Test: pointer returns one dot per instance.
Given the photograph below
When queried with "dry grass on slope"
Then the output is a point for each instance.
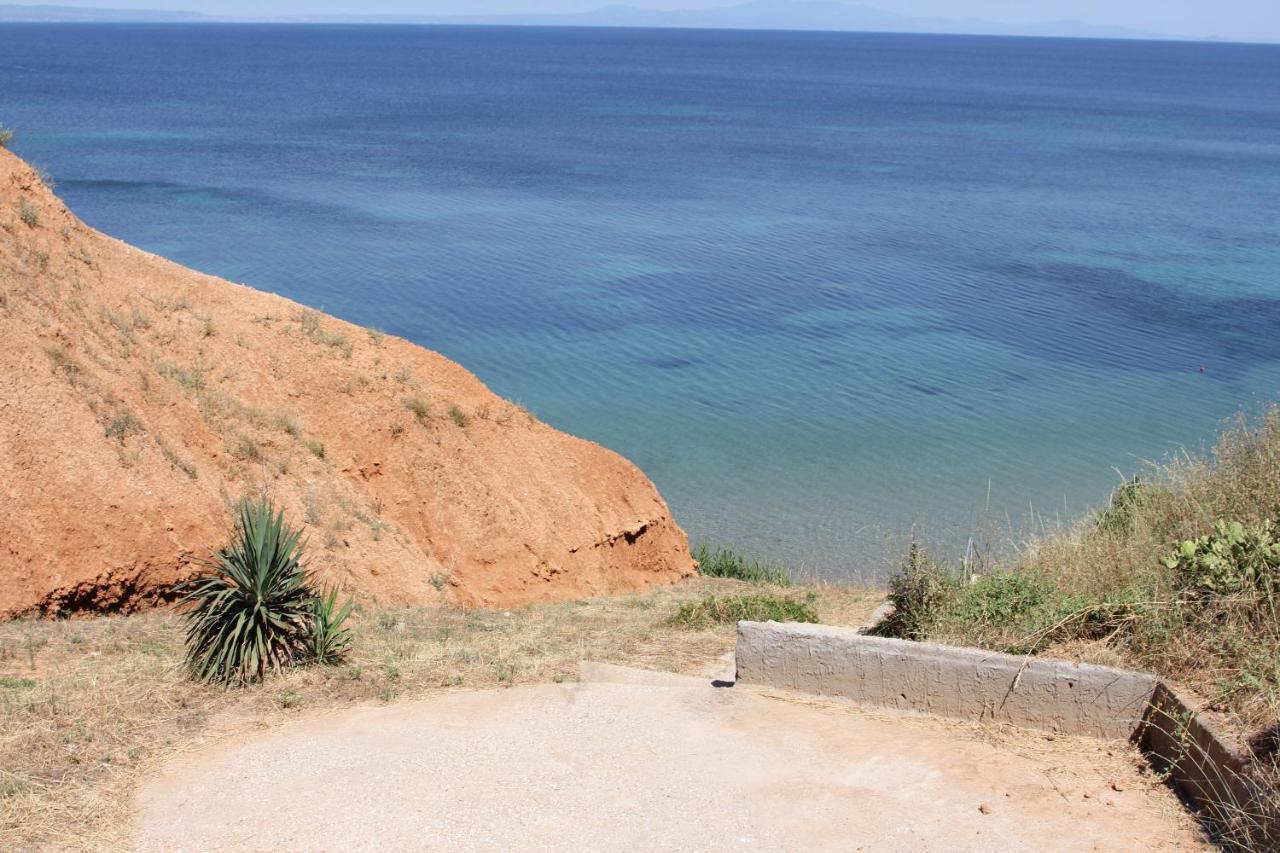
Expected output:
(175, 394)
(1178, 575)
(86, 706)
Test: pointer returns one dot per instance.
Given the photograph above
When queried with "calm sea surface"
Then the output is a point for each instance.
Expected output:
(820, 287)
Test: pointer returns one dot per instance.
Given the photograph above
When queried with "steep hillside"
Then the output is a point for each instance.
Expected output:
(140, 399)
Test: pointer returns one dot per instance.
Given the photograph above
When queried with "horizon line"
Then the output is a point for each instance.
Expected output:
(201, 19)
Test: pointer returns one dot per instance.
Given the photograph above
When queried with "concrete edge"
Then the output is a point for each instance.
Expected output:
(1213, 773)
(1215, 776)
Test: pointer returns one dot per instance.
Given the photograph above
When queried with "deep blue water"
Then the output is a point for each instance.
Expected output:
(820, 287)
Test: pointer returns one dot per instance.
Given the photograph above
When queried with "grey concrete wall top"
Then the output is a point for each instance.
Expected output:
(974, 684)
(952, 682)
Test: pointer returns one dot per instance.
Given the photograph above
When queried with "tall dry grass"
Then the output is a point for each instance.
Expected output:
(1101, 590)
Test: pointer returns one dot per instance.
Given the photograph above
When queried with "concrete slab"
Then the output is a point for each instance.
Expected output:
(967, 684)
(641, 762)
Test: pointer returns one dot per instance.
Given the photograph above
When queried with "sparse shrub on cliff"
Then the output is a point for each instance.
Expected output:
(6, 136)
(726, 563)
(421, 408)
(314, 330)
(714, 610)
(121, 424)
(28, 213)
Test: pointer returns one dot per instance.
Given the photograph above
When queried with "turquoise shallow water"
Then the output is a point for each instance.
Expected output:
(822, 288)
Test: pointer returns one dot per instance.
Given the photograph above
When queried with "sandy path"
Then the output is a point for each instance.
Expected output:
(673, 764)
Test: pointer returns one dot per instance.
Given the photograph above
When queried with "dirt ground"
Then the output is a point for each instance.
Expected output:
(89, 707)
(629, 760)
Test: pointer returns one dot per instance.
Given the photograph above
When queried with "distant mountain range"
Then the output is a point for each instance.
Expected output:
(10, 12)
(751, 15)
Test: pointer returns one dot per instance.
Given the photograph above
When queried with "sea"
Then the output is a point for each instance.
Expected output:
(830, 291)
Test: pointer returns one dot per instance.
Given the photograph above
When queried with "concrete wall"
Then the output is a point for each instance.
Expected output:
(951, 682)
(1214, 774)
(1210, 770)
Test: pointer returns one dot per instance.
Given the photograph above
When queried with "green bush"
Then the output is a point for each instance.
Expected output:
(1233, 559)
(1128, 503)
(918, 591)
(724, 563)
(719, 610)
(330, 640)
(1001, 599)
(257, 610)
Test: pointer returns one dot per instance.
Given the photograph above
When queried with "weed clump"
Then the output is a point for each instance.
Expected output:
(28, 213)
(421, 408)
(714, 610)
(918, 591)
(121, 424)
(312, 328)
(726, 563)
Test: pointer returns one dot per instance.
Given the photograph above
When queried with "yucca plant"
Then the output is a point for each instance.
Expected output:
(255, 611)
(330, 641)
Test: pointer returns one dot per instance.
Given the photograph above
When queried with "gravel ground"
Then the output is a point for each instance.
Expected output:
(631, 761)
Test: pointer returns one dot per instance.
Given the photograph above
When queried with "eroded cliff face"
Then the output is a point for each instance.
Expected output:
(140, 399)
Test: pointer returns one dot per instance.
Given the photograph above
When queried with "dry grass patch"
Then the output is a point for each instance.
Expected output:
(1179, 575)
(87, 706)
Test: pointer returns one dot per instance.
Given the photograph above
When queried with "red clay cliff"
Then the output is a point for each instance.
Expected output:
(139, 400)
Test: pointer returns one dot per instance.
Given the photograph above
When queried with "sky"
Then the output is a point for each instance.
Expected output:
(1248, 19)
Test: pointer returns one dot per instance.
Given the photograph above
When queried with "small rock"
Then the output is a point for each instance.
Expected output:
(1115, 786)
(984, 808)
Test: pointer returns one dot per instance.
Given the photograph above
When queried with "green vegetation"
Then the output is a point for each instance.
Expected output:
(257, 611)
(726, 563)
(460, 418)
(713, 610)
(6, 136)
(1233, 560)
(330, 639)
(918, 591)
(1179, 574)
